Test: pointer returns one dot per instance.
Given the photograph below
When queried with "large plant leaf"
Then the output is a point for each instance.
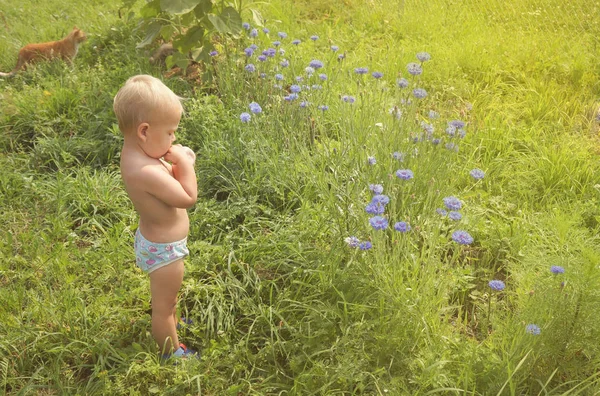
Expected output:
(151, 9)
(151, 32)
(218, 23)
(193, 38)
(232, 19)
(203, 8)
(177, 59)
(178, 7)
(257, 17)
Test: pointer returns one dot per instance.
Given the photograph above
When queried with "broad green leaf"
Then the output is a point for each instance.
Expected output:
(256, 17)
(177, 59)
(202, 54)
(151, 32)
(178, 7)
(203, 8)
(218, 23)
(232, 19)
(151, 9)
(193, 38)
(166, 32)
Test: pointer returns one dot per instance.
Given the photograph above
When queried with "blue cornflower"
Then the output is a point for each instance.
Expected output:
(366, 245)
(314, 37)
(276, 43)
(557, 269)
(299, 78)
(376, 188)
(246, 25)
(414, 69)
(419, 93)
(323, 107)
(436, 141)
(253, 46)
(348, 99)
(427, 127)
(250, 68)
(323, 77)
(304, 103)
(402, 226)
(262, 58)
(248, 51)
(296, 42)
(341, 57)
(213, 53)
(372, 160)
(452, 146)
(458, 124)
(352, 241)
(377, 75)
(281, 51)
(284, 63)
(404, 174)
(423, 56)
(378, 222)
(456, 216)
(433, 114)
(309, 70)
(533, 329)
(245, 117)
(462, 133)
(441, 211)
(290, 97)
(375, 208)
(497, 285)
(270, 52)
(316, 86)
(282, 35)
(279, 77)
(402, 82)
(265, 30)
(253, 33)
(255, 107)
(316, 64)
(334, 48)
(295, 88)
(477, 174)
(396, 112)
(398, 156)
(381, 199)
(451, 131)
(263, 75)
(462, 237)
(361, 70)
(452, 203)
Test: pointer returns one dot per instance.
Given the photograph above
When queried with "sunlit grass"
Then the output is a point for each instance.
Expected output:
(280, 303)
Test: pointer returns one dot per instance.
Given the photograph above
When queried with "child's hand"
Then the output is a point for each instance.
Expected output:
(178, 153)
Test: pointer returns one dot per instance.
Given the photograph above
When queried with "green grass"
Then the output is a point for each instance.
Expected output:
(280, 303)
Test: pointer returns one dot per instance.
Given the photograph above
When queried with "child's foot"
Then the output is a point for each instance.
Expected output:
(182, 352)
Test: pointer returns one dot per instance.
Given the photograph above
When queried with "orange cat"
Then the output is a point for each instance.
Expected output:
(66, 49)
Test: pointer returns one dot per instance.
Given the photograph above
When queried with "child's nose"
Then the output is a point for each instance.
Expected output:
(173, 138)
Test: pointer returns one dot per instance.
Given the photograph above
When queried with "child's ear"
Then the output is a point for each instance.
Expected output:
(142, 131)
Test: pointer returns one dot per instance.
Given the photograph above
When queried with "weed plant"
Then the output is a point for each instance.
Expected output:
(421, 219)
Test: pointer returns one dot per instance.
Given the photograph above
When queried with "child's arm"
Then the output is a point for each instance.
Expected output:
(182, 159)
(179, 190)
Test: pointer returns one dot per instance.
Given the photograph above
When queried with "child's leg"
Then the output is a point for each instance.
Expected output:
(165, 283)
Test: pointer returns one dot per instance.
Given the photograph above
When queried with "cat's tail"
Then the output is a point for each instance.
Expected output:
(11, 74)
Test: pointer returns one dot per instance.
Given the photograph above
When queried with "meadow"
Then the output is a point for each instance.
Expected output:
(414, 210)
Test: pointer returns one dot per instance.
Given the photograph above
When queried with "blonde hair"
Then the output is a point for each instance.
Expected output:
(140, 99)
